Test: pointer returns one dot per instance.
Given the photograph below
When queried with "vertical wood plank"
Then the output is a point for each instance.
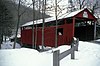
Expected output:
(73, 26)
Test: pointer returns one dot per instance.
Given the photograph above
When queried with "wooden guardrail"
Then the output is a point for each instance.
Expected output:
(57, 56)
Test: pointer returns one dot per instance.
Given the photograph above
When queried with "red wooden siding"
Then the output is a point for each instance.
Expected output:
(49, 35)
(90, 16)
(26, 36)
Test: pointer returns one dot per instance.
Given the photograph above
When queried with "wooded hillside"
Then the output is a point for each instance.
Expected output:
(27, 16)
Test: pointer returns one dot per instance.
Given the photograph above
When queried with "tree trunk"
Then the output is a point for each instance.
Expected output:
(1, 40)
(43, 17)
(17, 25)
(5, 39)
(33, 45)
(56, 38)
(36, 31)
(0, 46)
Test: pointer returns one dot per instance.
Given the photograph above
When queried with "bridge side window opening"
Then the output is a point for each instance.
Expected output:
(60, 31)
(52, 23)
(69, 20)
(61, 22)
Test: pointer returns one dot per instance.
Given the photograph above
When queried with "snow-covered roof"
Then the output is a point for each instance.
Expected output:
(39, 21)
(67, 15)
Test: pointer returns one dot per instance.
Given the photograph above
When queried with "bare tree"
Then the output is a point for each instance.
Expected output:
(56, 37)
(43, 24)
(71, 6)
(93, 5)
(17, 24)
(38, 7)
(61, 7)
(76, 4)
(82, 4)
(33, 45)
(36, 27)
(57, 9)
(19, 16)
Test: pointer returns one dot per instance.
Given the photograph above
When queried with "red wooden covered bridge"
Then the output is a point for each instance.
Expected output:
(80, 24)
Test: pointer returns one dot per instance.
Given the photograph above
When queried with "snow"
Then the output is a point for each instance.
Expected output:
(66, 15)
(72, 13)
(9, 45)
(39, 21)
(13, 36)
(24, 57)
(88, 55)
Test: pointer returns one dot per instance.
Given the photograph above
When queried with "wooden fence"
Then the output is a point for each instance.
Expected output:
(57, 56)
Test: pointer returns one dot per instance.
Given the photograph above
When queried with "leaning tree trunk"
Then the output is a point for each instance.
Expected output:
(17, 24)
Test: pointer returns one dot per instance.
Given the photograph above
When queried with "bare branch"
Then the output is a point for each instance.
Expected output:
(25, 9)
(59, 1)
(15, 5)
(83, 4)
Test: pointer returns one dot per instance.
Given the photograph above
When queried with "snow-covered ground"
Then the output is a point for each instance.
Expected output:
(9, 45)
(88, 55)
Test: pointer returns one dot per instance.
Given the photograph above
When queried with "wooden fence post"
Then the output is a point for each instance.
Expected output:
(72, 53)
(77, 43)
(56, 58)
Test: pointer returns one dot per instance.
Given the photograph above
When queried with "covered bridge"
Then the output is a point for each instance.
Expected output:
(81, 24)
